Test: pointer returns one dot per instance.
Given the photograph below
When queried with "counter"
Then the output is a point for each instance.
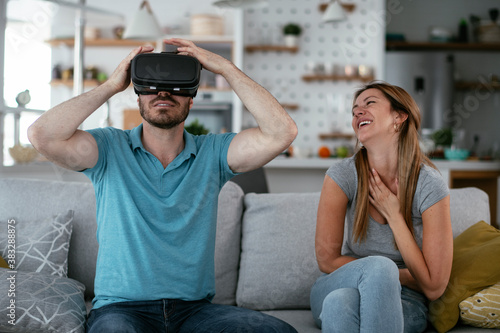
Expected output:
(307, 175)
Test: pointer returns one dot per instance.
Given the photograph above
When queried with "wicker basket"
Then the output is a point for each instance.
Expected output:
(207, 25)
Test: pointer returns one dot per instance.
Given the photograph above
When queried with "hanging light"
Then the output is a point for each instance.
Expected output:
(144, 25)
(240, 3)
(334, 12)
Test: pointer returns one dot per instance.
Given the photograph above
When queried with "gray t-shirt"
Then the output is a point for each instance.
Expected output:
(431, 188)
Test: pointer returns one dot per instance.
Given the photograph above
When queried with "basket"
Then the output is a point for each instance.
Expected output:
(207, 25)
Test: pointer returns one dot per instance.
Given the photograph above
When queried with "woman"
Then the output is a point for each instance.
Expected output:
(399, 245)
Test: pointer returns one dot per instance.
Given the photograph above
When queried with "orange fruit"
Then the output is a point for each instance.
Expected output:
(324, 152)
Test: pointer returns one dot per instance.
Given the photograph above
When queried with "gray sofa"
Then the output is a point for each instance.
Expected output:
(264, 255)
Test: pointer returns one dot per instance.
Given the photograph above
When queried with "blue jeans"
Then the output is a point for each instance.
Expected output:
(365, 295)
(180, 316)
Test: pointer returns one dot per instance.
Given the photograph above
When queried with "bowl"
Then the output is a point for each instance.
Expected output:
(456, 154)
(23, 154)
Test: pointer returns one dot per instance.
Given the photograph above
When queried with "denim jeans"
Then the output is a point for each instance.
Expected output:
(365, 295)
(179, 317)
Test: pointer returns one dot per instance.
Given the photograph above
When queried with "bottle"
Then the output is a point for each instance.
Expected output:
(463, 31)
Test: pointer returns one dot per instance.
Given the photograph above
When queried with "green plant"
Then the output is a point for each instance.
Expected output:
(292, 29)
(443, 137)
(196, 128)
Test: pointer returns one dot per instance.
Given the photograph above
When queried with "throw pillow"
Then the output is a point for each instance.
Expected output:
(475, 267)
(37, 302)
(41, 246)
(482, 309)
(3, 263)
(278, 264)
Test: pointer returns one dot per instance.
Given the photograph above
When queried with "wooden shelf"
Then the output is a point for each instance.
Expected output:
(348, 7)
(309, 78)
(290, 106)
(326, 136)
(69, 83)
(275, 48)
(463, 85)
(430, 46)
(102, 42)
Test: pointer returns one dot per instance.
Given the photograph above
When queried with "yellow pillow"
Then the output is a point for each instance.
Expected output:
(482, 309)
(475, 267)
(3, 263)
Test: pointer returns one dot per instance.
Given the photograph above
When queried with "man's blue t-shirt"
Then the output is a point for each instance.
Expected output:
(156, 225)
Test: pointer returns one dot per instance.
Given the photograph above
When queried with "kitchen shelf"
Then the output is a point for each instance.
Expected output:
(309, 78)
(275, 48)
(69, 83)
(326, 136)
(290, 106)
(436, 46)
(101, 42)
(464, 85)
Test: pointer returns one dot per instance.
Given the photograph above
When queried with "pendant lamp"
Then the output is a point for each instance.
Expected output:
(240, 3)
(334, 12)
(144, 25)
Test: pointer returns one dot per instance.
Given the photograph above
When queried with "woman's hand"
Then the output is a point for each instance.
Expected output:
(382, 198)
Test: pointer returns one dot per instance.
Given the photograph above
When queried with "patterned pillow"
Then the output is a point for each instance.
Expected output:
(482, 309)
(41, 246)
(36, 302)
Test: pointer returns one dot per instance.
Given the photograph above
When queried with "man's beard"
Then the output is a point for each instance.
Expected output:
(167, 119)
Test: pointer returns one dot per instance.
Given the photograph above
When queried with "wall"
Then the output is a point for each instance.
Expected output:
(324, 106)
(476, 112)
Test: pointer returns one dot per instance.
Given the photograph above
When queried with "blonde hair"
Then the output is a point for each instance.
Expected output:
(410, 158)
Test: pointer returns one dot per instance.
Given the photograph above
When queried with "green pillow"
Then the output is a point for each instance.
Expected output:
(475, 267)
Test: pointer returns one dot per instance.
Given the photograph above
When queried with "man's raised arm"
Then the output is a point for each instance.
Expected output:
(56, 135)
(254, 147)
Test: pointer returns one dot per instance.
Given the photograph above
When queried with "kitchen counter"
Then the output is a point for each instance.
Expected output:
(306, 174)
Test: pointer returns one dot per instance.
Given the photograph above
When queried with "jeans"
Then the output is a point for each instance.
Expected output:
(365, 295)
(180, 316)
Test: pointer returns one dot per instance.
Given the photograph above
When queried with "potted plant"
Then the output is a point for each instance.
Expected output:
(291, 31)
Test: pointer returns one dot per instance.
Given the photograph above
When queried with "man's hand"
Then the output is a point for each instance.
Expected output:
(209, 60)
(119, 80)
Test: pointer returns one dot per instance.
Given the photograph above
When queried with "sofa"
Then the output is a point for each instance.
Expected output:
(264, 260)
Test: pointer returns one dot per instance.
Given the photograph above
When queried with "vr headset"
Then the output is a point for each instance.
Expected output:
(154, 72)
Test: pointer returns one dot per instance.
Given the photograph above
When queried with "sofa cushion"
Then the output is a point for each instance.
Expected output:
(227, 245)
(483, 308)
(41, 303)
(278, 264)
(41, 245)
(28, 199)
(467, 206)
(475, 267)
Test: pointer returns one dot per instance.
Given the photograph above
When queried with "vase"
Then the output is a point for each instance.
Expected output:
(291, 40)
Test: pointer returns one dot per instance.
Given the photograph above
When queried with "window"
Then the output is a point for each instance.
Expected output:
(27, 61)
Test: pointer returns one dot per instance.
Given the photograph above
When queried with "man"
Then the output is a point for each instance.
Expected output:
(156, 189)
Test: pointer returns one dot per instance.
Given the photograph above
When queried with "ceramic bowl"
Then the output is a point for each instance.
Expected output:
(456, 154)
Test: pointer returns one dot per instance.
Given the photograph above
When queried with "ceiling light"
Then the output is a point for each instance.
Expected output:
(334, 12)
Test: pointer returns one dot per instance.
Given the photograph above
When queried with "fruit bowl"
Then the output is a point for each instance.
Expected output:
(456, 154)
(23, 154)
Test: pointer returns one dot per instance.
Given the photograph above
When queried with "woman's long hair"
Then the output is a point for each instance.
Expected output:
(410, 158)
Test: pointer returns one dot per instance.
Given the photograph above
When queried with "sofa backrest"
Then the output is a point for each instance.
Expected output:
(277, 228)
(36, 200)
(278, 265)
